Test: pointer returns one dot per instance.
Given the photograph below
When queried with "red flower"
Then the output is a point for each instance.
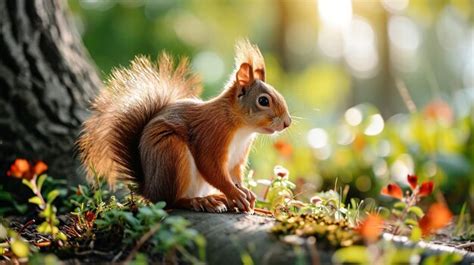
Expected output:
(426, 188)
(393, 190)
(89, 217)
(371, 228)
(438, 216)
(413, 181)
(22, 169)
(283, 148)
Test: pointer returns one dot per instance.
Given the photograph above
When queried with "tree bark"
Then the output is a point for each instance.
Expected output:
(46, 82)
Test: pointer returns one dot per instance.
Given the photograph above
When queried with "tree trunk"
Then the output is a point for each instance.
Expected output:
(46, 82)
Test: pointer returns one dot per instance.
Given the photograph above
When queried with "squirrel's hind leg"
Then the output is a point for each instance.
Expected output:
(166, 165)
(172, 176)
(215, 203)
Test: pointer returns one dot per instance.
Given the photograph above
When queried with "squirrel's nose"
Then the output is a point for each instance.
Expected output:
(286, 123)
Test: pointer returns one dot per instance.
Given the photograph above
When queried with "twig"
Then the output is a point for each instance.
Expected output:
(117, 257)
(142, 241)
(30, 222)
(465, 245)
(405, 94)
(187, 255)
(94, 252)
(262, 211)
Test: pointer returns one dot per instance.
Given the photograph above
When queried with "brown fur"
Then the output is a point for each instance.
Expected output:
(148, 127)
(109, 141)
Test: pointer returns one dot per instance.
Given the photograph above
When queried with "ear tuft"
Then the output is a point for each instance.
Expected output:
(248, 53)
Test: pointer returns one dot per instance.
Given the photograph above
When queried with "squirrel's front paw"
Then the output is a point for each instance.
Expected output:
(238, 198)
(250, 195)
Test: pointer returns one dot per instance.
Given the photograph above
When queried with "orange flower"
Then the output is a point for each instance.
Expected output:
(437, 217)
(283, 148)
(359, 142)
(22, 169)
(371, 228)
(19, 168)
(40, 167)
(413, 181)
(426, 188)
(392, 190)
(439, 110)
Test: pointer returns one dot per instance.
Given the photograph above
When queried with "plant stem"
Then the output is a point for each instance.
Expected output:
(142, 241)
(410, 202)
(37, 192)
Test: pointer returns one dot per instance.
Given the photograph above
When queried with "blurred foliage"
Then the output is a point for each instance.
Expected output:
(318, 55)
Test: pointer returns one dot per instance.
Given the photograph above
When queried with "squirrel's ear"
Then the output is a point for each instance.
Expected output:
(244, 75)
(260, 74)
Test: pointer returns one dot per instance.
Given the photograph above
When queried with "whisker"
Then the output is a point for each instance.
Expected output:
(297, 118)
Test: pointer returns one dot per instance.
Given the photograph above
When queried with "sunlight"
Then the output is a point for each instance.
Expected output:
(405, 38)
(353, 116)
(317, 138)
(360, 49)
(375, 126)
(395, 5)
(336, 14)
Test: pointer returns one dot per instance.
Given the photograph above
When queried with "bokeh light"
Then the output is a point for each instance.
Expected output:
(360, 50)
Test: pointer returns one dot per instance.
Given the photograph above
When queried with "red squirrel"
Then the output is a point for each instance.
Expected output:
(148, 126)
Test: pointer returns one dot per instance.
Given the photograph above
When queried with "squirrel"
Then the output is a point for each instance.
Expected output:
(148, 126)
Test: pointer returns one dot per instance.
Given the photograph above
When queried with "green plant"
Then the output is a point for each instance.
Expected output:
(48, 210)
(12, 246)
(10, 204)
(33, 178)
(170, 233)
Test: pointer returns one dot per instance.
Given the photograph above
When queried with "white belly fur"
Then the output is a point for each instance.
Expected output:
(238, 146)
(198, 187)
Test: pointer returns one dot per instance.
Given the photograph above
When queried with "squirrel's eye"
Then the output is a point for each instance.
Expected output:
(263, 101)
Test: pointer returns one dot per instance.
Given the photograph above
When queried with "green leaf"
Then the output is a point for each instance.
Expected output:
(21, 208)
(40, 182)
(160, 205)
(201, 244)
(460, 222)
(352, 254)
(443, 259)
(410, 221)
(415, 235)
(246, 259)
(403, 256)
(417, 211)
(396, 212)
(44, 228)
(28, 183)
(5, 196)
(47, 211)
(3, 232)
(400, 205)
(36, 200)
(52, 195)
(20, 248)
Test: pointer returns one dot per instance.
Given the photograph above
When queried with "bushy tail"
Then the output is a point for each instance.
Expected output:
(109, 141)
